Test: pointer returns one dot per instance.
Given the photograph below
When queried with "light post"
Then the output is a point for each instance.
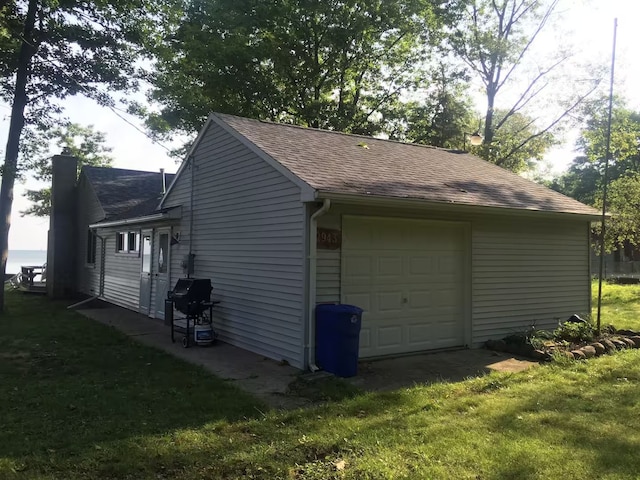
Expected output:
(475, 139)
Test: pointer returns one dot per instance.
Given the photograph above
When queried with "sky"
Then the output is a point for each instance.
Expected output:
(589, 21)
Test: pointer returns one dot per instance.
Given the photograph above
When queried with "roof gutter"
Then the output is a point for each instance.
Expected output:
(382, 201)
(174, 213)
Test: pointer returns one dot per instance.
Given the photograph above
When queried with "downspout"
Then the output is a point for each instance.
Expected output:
(101, 278)
(313, 267)
(191, 260)
(103, 256)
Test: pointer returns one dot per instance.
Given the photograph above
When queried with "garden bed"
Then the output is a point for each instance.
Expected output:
(576, 339)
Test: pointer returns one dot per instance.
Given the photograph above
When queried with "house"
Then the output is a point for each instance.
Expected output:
(440, 248)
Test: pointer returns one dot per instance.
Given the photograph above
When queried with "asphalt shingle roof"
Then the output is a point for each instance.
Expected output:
(126, 193)
(335, 162)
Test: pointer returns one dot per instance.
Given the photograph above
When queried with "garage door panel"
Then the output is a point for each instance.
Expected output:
(449, 264)
(409, 278)
(444, 336)
(449, 298)
(418, 299)
(390, 302)
(358, 266)
(365, 338)
(421, 265)
(419, 334)
(389, 266)
(390, 336)
(362, 300)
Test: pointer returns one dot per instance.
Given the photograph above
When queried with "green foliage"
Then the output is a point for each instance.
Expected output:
(84, 143)
(76, 48)
(331, 64)
(574, 332)
(441, 118)
(518, 144)
(583, 179)
(624, 206)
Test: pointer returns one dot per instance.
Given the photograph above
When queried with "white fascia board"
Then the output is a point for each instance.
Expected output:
(381, 201)
(169, 215)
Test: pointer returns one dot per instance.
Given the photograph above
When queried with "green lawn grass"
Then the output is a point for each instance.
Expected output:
(80, 401)
(620, 305)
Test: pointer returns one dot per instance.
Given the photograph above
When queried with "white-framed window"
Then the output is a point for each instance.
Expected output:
(92, 244)
(128, 242)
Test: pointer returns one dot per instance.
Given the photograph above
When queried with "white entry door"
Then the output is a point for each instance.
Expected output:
(409, 277)
(161, 270)
(145, 273)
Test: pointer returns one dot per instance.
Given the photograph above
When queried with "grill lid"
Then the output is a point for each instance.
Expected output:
(191, 289)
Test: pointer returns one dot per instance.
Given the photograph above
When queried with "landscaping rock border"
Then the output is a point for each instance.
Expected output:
(610, 342)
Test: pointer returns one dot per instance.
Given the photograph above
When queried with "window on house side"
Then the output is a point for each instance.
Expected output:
(128, 242)
(120, 242)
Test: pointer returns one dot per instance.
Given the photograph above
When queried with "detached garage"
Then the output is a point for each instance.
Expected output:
(440, 248)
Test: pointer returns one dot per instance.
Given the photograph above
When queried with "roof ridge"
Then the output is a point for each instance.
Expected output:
(337, 132)
(97, 167)
(472, 157)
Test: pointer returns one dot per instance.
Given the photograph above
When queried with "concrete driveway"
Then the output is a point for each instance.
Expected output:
(269, 380)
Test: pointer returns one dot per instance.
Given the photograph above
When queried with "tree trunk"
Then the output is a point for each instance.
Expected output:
(488, 119)
(27, 51)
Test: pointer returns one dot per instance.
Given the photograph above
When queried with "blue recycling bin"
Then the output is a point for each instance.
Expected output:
(338, 338)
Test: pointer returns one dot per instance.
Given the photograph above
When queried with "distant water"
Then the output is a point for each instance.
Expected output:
(17, 258)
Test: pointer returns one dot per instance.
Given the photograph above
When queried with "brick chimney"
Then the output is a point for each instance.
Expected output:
(62, 249)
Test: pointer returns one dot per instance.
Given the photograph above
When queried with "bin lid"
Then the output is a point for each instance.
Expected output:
(339, 308)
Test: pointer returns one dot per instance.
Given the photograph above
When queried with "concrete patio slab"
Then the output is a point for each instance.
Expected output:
(269, 380)
(450, 366)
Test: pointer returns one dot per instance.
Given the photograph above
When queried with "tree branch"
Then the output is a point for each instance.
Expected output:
(550, 126)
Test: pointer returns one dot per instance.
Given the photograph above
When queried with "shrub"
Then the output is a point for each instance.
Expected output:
(575, 332)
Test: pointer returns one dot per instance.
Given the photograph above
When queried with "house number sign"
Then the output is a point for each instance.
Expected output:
(329, 239)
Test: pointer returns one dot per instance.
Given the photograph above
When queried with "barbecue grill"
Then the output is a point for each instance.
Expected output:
(191, 297)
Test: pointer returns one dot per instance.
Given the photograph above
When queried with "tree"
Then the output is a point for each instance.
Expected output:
(441, 118)
(52, 49)
(494, 38)
(624, 206)
(583, 179)
(518, 144)
(84, 143)
(334, 64)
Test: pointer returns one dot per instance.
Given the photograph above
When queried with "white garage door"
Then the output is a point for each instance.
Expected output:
(409, 277)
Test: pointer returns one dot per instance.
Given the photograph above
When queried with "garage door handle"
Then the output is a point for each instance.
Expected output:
(405, 300)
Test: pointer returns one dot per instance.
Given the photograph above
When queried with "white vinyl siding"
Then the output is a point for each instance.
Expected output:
(248, 238)
(328, 264)
(89, 211)
(122, 275)
(525, 271)
(528, 273)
